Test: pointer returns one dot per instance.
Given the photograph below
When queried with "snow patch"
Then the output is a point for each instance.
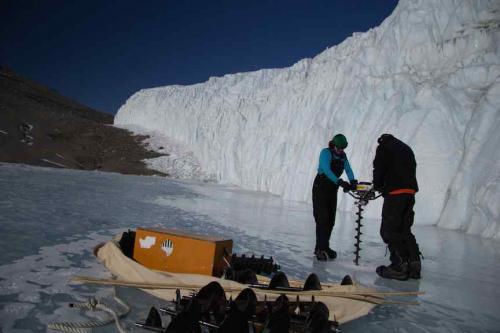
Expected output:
(55, 163)
(178, 162)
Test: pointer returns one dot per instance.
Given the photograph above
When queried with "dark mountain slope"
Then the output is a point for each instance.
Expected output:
(38, 126)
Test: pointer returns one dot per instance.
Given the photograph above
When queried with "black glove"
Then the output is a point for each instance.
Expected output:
(345, 185)
(377, 187)
(354, 184)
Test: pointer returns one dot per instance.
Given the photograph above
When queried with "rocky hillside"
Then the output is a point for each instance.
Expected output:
(38, 126)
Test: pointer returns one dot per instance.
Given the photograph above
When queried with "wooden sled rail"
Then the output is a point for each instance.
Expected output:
(376, 297)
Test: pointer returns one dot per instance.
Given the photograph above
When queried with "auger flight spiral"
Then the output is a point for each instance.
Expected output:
(363, 194)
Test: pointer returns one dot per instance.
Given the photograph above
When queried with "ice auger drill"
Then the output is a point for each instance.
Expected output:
(363, 193)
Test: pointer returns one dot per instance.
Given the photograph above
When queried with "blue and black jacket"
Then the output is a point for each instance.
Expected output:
(332, 165)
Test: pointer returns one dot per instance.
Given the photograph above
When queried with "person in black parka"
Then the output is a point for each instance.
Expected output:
(332, 163)
(394, 175)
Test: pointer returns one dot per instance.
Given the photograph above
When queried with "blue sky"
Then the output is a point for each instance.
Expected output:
(100, 52)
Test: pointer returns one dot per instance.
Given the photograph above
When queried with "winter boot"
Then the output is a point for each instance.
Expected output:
(321, 255)
(414, 268)
(397, 270)
(331, 254)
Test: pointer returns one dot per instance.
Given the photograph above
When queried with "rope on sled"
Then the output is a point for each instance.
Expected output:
(93, 305)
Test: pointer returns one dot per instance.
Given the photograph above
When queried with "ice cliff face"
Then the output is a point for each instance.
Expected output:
(430, 75)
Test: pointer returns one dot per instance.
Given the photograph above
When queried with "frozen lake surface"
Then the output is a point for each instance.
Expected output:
(51, 219)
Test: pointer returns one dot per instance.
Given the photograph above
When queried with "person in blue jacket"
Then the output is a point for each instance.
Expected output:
(332, 163)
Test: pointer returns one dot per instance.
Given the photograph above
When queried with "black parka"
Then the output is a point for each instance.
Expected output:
(394, 166)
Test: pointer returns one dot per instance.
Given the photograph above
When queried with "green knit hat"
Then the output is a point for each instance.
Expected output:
(339, 141)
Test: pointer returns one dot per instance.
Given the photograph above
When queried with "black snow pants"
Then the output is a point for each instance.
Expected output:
(397, 220)
(324, 197)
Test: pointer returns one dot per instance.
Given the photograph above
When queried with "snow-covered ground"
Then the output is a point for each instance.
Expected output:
(429, 74)
(50, 219)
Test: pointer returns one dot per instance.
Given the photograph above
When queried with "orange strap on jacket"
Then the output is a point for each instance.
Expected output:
(403, 191)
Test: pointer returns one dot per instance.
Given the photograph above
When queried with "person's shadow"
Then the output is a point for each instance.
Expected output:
(410, 285)
(325, 270)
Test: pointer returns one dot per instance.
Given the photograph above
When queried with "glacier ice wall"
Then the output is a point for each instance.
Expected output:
(429, 74)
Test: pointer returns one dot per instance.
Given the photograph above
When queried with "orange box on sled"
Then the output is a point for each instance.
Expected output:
(174, 251)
